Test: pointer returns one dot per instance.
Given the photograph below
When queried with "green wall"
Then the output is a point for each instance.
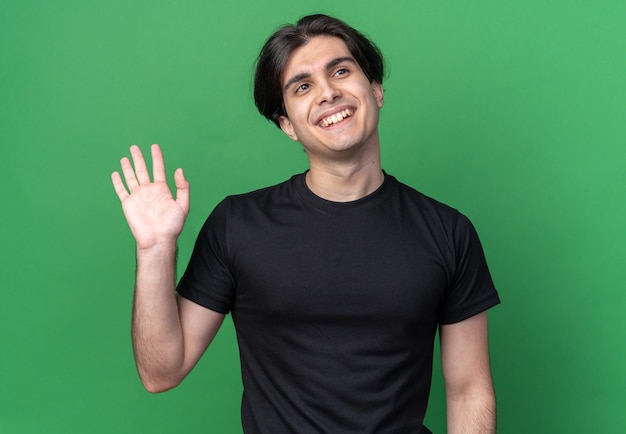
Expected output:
(513, 112)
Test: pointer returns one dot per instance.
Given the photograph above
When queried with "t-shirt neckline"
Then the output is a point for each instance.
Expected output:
(311, 199)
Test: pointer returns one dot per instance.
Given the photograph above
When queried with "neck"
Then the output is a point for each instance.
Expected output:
(345, 182)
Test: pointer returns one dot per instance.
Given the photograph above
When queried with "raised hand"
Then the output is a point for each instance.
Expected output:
(153, 214)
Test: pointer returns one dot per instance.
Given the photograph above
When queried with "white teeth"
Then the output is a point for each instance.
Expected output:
(336, 118)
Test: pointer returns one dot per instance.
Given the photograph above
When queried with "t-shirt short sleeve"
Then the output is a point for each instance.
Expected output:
(471, 289)
(207, 280)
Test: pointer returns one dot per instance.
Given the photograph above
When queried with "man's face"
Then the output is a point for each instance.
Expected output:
(332, 108)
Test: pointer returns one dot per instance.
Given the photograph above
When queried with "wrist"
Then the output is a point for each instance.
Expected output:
(162, 248)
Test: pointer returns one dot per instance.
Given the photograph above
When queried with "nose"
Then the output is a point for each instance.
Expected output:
(328, 92)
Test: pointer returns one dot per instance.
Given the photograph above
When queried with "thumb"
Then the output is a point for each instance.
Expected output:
(182, 190)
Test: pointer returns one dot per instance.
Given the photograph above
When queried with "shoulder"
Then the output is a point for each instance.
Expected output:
(421, 205)
(275, 192)
(257, 207)
(260, 197)
(433, 218)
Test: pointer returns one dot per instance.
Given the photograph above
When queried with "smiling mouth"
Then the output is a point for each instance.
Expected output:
(336, 118)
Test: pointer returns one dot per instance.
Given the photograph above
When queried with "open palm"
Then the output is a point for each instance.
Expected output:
(153, 214)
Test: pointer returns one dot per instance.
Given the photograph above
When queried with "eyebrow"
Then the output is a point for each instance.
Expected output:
(329, 65)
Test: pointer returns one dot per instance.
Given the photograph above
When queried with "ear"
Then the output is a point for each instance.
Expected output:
(379, 93)
(287, 127)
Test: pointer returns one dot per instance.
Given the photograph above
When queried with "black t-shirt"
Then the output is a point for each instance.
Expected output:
(336, 305)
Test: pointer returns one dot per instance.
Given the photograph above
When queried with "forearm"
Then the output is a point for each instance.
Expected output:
(156, 328)
(472, 412)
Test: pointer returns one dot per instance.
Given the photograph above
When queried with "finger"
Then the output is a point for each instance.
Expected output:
(129, 174)
(182, 190)
(118, 185)
(141, 171)
(158, 164)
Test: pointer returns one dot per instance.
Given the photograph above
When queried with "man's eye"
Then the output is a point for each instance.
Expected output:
(341, 71)
(302, 87)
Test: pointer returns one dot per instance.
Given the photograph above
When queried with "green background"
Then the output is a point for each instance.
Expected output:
(513, 112)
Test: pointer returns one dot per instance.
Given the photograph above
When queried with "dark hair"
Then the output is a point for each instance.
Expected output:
(268, 93)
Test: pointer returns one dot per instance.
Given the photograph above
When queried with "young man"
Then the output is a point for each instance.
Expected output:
(336, 279)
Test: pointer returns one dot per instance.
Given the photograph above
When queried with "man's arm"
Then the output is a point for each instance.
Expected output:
(169, 333)
(470, 397)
